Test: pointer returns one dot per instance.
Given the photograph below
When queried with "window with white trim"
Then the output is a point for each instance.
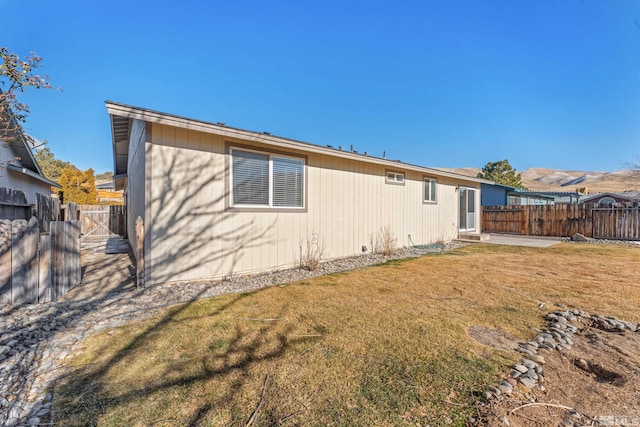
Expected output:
(395, 177)
(430, 192)
(261, 179)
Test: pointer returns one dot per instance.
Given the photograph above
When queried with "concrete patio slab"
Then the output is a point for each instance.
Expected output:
(517, 240)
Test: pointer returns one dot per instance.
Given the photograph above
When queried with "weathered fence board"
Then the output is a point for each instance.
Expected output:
(44, 273)
(57, 260)
(614, 222)
(18, 261)
(13, 204)
(74, 271)
(5, 261)
(31, 238)
(11, 196)
(24, 261)
(47, 210)
(8, 211)
(71, 211)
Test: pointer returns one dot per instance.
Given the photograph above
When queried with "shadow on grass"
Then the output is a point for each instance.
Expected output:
(86, 394)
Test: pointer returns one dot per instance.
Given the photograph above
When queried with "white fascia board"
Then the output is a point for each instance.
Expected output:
(197, 125)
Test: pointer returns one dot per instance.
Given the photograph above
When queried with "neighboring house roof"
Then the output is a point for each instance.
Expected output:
(122, 114)
(20, 145)
(106, 185)
(533, 194)
(631, 196)
(550, 193)
(506, 187)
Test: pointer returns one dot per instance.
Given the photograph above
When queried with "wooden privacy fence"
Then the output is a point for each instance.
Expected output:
(615, 222)
(13, 204)
(38, 267)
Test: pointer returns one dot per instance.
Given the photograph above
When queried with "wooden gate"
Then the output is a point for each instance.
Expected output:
(101, 220)
(616, 223)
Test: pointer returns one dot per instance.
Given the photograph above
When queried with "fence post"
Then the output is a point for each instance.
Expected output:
(73, 246)
(139, 252)
(5, 261)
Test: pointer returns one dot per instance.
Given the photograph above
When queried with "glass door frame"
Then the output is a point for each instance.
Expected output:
(467, 211)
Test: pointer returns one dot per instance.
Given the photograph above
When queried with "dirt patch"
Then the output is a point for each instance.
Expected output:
(494, 338)
(597, 382)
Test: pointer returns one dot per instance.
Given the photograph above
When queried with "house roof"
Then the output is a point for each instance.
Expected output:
(32, 174)
(525, 193)
(521, 192)
(550, 193)
(506, 187)
(629, 195)
(105, 185)
(122, 114)
(21, 147)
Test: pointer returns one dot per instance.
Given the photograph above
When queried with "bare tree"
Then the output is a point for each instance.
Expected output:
(16, 76)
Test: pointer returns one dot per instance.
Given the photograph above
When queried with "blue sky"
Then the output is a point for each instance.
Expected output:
(439, 83)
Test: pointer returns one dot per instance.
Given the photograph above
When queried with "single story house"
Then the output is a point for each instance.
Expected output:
(216, 200)
(610, 198)
(559, 197)
(19, 170)
(505, 195)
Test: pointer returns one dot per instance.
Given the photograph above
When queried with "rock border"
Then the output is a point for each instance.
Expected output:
(527, 374)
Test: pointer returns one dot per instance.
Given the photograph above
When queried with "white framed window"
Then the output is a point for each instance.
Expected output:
(266, 180)
(430, 190)
(395, 177)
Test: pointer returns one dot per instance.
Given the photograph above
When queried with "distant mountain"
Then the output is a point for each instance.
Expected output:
(568, 180)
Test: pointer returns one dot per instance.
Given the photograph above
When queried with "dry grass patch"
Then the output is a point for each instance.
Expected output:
(386, 345)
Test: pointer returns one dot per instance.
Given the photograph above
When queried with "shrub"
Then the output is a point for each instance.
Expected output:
(311, 252)
(384, 242)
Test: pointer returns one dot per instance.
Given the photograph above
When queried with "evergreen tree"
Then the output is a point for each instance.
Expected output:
(51, 167)
(502, 173)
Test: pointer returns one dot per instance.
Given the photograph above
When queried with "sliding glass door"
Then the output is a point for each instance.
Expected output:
(467, 208)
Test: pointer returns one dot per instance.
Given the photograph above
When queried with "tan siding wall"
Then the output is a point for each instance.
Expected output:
(135, 178)
(193, 236)
(18, 181)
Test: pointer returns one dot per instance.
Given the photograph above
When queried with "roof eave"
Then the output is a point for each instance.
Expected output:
(122, 110)
(29, 172)
(119, 182)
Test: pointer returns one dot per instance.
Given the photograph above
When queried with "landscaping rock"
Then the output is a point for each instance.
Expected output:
(520, 368)
(527, 382)
(577, 237)
(538, 358)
